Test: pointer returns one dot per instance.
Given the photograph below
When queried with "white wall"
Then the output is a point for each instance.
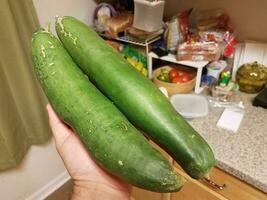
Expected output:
(249, 17)
(42, 170)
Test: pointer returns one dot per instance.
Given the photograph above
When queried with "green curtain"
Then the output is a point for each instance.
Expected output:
(23, 118)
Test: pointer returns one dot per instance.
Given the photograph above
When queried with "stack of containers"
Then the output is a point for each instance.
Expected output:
(148, 15)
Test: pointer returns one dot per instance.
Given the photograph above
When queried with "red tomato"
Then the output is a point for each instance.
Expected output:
(176, 79)
(173, 73)
(186, 77)
(181, 73)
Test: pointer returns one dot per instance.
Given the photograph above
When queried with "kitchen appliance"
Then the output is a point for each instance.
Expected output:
(261, 99)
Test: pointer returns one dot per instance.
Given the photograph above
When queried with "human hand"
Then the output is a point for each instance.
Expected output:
(90, 181)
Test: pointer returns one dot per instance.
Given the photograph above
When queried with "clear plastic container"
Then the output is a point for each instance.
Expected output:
(148, 15)
(190, 105)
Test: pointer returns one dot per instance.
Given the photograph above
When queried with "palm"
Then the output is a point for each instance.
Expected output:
(78, 162)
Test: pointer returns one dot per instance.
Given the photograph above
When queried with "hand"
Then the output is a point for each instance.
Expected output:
(90, 181)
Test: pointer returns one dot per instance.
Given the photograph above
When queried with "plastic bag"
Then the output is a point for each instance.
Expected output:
(198, 51)
(215, 25)
(119, 24)
(136, 59)
(102, 13)
(177, 31)
(213, 102)
(225, 97)
(213, 19)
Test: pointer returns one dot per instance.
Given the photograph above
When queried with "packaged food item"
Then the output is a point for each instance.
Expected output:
(215, 25)
(142, 35)
(229, 45)
(224, 93)
(119, 23)
(212, 35)
(215, 68)
(102, 13)
(136, 59)
(198, 51)
(177, 31)
(114, 45)
(224, 78)
(121, 4)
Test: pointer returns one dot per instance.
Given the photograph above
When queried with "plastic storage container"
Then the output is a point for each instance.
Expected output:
(148, 15)
(190, 105)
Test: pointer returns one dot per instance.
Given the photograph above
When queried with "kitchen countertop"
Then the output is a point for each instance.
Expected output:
(242, 154)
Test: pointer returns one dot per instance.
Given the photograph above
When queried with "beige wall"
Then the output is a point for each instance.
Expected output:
(48, 9)
(41, 165)
(248, 16)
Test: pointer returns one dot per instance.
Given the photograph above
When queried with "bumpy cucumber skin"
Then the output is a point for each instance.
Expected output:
(112, 140)
(137, 97)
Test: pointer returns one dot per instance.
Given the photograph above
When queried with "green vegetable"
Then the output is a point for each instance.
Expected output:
(164, 75)
(137, 97)
(164, 71)
(163, 78)
(112, 140)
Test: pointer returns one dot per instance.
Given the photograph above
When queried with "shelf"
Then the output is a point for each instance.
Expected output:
(132, 40)
(199, 65)
(172, 58)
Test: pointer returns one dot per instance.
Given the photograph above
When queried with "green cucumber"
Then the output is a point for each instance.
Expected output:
(137, 97)
(110, 138)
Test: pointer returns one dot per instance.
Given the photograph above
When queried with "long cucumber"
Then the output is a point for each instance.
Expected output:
(110, 138)
(137, 97)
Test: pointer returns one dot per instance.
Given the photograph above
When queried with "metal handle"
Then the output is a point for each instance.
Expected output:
(215, 185)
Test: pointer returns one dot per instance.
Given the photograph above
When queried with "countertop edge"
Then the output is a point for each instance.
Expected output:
(244, 177)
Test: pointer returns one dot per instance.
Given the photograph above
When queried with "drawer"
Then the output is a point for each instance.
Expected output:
(195, 190)
(140, 194)
(200, 190)
(192, 191)
(166, 155)
(235, 189)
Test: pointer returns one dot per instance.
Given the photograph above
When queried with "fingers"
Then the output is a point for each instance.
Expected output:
(63, 135)
(59, 129)
(52, 115)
